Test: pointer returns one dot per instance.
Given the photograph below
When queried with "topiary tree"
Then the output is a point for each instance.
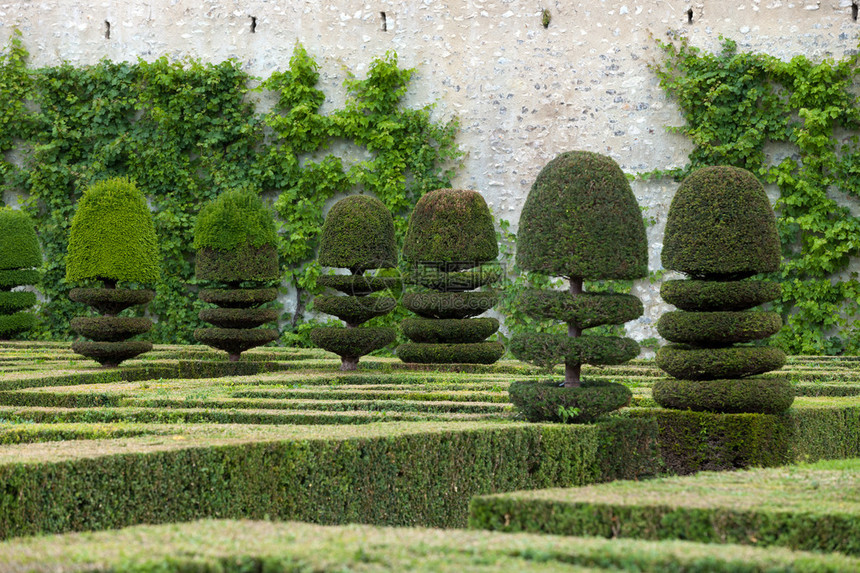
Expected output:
(112, 240)
(450, 237)
(19, 254)
(720, 231)
(358, 234)
(236, 242)
(580, 221)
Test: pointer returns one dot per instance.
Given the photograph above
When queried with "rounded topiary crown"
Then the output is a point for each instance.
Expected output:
(581, 220)
(358, 234)
(720, 223)
(19, 248)
(112, 235)
(236, 238)
(451, 225)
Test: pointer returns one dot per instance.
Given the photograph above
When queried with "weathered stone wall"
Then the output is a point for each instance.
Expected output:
(523, 92)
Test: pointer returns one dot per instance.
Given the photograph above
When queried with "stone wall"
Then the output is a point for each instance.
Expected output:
(523, 92)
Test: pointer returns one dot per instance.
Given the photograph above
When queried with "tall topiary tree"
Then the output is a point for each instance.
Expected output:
(112, 240)
(720, 231)
(236, 242)
(19, 254)
(358, 234)
(449, 241)
(580, 221)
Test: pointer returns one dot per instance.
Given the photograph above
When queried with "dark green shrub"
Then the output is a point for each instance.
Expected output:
(358, 234)
(547, 401)
(545, 349)
(12, 302)
(110, 328)
(111, 301)
(454, 331)
(721, 224)
(720, 229)
(580, 221)
(696, 363)
(12, 278)
(712, 295)
(761, 395)
(355, 310)
(238, 317)
(444, 305)
(717, 328)
(112, 239)
(245, 264)
(19, 253)
(470, 279)
(111, 354)
(236, 241)
(238, 298)
(352, 343)
(585, 310)
(358, 285)
(450, 236)
(451, 353)
(451, 229)
(20, 246)
(235, 341)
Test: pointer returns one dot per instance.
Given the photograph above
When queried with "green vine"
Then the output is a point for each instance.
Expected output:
(185, 132)
(795, 125)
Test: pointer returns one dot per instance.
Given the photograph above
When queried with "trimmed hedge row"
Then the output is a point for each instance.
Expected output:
(813, 429)
(806, 507)
(397, 475)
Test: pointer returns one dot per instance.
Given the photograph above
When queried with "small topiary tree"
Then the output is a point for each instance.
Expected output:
(358, 234)
(19, 254)
(450, 237)
(720, 231)
(580, 221)
(236, 242)
(112, 239)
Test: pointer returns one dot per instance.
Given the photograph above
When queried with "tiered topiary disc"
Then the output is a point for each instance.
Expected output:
(236, 243)
(450, 237)
(720, 231)
(358, 234)
(112, 239)
(19, 254)
(580, 221)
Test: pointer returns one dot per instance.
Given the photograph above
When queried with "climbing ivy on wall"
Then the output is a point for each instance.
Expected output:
(186, 131)
(795, 124)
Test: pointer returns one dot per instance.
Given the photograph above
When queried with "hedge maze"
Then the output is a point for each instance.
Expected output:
(180, 434)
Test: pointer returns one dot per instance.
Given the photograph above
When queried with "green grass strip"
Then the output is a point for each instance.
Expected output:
(245, 546)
